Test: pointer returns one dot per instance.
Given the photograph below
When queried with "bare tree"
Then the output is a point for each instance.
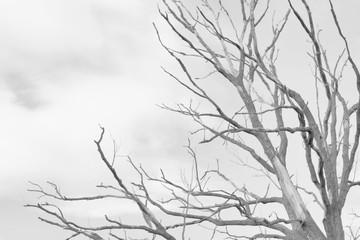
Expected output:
(230, 39)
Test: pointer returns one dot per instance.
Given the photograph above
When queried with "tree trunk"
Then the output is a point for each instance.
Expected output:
(333, 223)
(298, 233)
(301, 213)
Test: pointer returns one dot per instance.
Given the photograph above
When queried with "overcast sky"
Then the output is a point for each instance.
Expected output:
(67, 66)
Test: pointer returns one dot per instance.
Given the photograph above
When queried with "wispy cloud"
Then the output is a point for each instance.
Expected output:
(25, 91)
(46, 41)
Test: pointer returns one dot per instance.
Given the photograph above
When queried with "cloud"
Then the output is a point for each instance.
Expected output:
(25, 92)
(46, 41)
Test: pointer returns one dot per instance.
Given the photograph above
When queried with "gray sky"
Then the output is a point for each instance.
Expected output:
(67, 66)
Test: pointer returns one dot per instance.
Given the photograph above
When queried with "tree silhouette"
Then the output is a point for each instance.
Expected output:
(239, 44)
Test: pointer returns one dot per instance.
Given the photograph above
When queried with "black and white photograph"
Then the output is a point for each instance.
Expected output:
(179, 119)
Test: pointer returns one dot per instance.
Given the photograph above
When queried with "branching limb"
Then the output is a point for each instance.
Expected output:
(59, 196)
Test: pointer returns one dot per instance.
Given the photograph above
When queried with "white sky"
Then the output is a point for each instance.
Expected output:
(67, 66)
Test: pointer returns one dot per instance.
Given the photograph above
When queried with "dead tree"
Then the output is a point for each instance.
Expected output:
(227, 38)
